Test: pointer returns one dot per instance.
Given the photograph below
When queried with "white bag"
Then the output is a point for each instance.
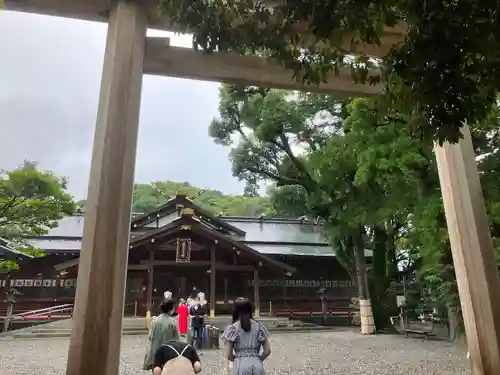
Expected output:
(179, 365)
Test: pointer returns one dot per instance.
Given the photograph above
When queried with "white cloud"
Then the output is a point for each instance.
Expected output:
(50, 72)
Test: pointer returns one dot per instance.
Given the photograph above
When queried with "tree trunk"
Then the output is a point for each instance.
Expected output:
(380, 276)
(365, 309)
(361, 273)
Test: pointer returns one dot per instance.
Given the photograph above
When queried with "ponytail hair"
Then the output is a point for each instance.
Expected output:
(245, 322)
(243, 313)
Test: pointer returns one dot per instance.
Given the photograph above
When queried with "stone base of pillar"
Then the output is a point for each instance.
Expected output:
(212, 313)
(257, 313)
(366, 315)
(148, 319)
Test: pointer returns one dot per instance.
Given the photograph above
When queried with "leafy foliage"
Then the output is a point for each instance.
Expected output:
(31, 203)
(444, 69)
(357, 168)
(274, 136)
(148, 196)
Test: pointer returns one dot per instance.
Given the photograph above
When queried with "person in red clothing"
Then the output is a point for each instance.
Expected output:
(183, 314)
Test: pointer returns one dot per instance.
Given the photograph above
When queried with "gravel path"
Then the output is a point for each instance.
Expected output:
(343, 352)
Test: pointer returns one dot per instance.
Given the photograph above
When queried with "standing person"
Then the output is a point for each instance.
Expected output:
(244, 340)
(182, 317)
(176, 357)
(164, 329)
(197, 313)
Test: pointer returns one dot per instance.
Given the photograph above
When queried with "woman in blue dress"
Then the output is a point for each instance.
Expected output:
(247, 341)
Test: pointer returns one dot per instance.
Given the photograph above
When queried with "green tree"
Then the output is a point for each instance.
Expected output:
(276, 132)
(427, 241)
(373, 176)
(361, 176)
(31, 202)
(149, 196)
(444, 70)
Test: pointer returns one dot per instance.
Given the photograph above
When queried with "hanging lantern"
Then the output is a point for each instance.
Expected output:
(183, 254)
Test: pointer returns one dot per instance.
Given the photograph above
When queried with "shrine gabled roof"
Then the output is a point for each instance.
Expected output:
(270, 236)
(8, 253)
(267, 235)
(193, 225)
(172, 205)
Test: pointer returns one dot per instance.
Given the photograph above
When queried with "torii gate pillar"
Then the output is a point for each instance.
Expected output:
(473, 254)
(97, 318)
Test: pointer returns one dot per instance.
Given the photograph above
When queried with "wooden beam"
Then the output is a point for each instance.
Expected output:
(145, 266)
(473, 253)
(199, 263)
(213, 275)
(98, 10)
(137, 267)
(232, 267)
(97, 320)
(165, 60)
(204, 263)
(256, 291)
(149, 289)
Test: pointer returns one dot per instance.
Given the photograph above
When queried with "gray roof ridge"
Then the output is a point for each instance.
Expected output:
(286, 243)
(276, 219)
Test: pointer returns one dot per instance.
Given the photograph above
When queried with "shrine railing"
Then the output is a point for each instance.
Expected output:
(332, 312)
(49, 313)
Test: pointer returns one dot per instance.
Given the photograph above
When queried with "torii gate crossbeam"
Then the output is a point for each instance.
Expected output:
(97, 321)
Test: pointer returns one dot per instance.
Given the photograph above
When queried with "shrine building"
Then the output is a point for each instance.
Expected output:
(280, 264)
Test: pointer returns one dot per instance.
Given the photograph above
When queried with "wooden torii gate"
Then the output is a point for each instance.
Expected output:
(97, 321)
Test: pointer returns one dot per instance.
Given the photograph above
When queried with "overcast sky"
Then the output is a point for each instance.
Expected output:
(50, 71)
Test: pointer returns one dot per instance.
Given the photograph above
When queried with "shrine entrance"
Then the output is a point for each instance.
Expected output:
(189, 254)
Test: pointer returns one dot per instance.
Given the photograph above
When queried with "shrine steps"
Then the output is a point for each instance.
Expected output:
(137, 326)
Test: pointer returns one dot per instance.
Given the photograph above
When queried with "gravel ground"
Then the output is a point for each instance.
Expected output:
(343, 352)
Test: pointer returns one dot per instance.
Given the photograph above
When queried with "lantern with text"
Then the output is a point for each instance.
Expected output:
(183, 250)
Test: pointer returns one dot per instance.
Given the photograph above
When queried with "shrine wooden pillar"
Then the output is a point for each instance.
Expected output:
(149, 286)
(212, 281)
(473, 253)
(97, 319)
(256, 292)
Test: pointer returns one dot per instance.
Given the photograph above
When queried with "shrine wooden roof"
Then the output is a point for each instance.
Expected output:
(192, 225)
(8, 253)
(266, 235)
(179, 202)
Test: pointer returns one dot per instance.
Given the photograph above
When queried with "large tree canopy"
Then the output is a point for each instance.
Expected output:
(356, 167)
(149, 196)
(444, 70)
(31, 201)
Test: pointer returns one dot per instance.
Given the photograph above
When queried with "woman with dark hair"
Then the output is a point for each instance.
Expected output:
(163, 330)
(247, 341)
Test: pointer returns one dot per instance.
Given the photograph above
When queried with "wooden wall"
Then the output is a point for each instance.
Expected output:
(41, 286)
